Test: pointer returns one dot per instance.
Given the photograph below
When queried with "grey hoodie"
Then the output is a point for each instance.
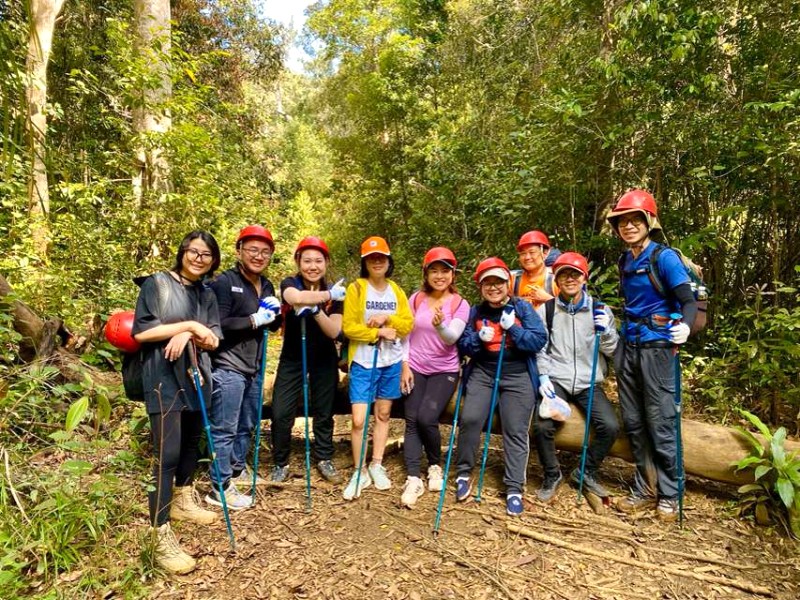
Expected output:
(567, 358)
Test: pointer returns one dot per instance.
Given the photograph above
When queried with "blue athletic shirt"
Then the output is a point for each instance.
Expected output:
(642, 301)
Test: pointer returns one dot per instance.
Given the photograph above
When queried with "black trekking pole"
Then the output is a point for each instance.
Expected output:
(305, 409)
(492, 405)
(676, 317)
(442, 493)
(264, 341)
(363, 452)
(599, 306)
(207, 426)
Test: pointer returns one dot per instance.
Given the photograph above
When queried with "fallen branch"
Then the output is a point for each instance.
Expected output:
(742, 585)
(11, 487)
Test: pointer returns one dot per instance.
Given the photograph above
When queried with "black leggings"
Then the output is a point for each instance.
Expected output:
(423, 407)
(176, 437)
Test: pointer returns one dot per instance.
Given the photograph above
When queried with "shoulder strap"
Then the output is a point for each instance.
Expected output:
(549, 313)
(455, 303)
(517, 273)
(549, 278)
(416, 299)
(653, 274)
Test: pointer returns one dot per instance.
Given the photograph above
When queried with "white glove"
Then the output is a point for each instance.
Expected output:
(486, 332)
(507, 319)
(601, 321)
(262, 317)
(546, 388)
(338, 291)
(270, 303)
(307, 310)
(679, 333)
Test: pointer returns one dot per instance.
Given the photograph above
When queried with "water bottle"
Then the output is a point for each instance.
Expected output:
(702, 293)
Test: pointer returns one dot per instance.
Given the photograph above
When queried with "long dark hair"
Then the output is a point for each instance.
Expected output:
(365, 273)
(209, 241)
(426, 287)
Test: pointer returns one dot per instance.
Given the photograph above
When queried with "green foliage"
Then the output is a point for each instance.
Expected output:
(776, 491)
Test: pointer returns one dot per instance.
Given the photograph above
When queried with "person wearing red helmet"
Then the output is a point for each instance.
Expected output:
(534, 282)
(430, 371)
(525, 336)
(307, 295)
(573, 319)
(173, 309)
(247, 304)
(376, 318)
(645, 359)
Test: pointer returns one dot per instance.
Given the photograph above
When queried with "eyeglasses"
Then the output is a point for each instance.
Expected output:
(636, 221)
(254, 252)
(498, 285)
(205, 257)
(570, 274)
(535, 251)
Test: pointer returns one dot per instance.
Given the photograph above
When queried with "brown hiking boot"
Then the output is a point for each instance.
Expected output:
(634, 504)
(169, 555)
(185, 507)
(667, 510)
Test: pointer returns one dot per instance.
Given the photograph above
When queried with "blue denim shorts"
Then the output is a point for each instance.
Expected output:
(386, 384)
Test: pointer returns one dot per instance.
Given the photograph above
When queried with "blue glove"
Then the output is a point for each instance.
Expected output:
(338, 291)
(307, 310)
(486, 332)
(507, 318)
(262, 317)
(546, 388)
(270, 303)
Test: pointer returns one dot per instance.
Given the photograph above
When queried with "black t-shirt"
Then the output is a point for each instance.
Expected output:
(320, 348)
(162, 300)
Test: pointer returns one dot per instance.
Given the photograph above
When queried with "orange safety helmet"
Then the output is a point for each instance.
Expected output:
(312, 242)
(489, 267)
(533, 237)
(440, 254)
(256, 232)
(375, 245)
(571, 260)
(118, 331)
(635, 201)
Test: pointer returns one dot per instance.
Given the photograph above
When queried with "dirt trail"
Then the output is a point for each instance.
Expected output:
(371, 548)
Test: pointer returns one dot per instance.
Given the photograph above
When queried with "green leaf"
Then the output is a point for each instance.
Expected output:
(762, 470)
(103, 409)
(77, 467)
(757, 423)
(76, 413)
(786, 491)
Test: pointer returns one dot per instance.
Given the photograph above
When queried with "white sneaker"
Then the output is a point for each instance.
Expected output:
(245, 479)
(234, 499)
(350, 491)
(379, 477)
(435, 481)
(412, 491)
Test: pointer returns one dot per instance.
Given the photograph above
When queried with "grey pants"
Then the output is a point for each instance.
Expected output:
(515, 403)
(646, 384)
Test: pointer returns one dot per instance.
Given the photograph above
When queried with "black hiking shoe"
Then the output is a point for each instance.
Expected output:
(590, 483)
(328, 471)
(550, 486)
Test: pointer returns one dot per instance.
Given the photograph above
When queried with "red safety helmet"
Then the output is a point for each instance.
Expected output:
(492, 266)
(571, 260)
(533, 237)
(256, 232)
(442, 255)
(636, 201)
(312, 242)
(118, 331)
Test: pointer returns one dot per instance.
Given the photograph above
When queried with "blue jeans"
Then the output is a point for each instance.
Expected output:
(235, 406)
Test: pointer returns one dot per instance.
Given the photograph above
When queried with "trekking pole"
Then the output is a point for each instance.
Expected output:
(598, 306)
(492, 404)
(207, 426)
(264, 341)
(363, 452)
(676, 317)
(305, 409)
(438, 520)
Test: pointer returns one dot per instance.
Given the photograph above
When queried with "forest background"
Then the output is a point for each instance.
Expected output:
(462, 123)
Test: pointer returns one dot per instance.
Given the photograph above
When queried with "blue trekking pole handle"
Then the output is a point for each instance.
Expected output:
(207, 426)
(676, 317)
(363, 452)
(595, 356)
(264, 341)
(305, 409)
(492, 404)
(449, 454)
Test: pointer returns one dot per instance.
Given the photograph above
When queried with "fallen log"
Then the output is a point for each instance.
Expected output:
(709, 449)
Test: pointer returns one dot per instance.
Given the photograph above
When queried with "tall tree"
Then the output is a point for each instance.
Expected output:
(43, 15)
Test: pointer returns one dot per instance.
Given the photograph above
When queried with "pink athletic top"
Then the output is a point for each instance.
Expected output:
(427, 352)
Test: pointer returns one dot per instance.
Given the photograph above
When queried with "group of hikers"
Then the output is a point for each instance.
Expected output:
(536, 343)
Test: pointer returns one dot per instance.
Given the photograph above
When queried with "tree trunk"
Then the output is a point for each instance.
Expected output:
(43, 14)
(39, 338)
(152, 116)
